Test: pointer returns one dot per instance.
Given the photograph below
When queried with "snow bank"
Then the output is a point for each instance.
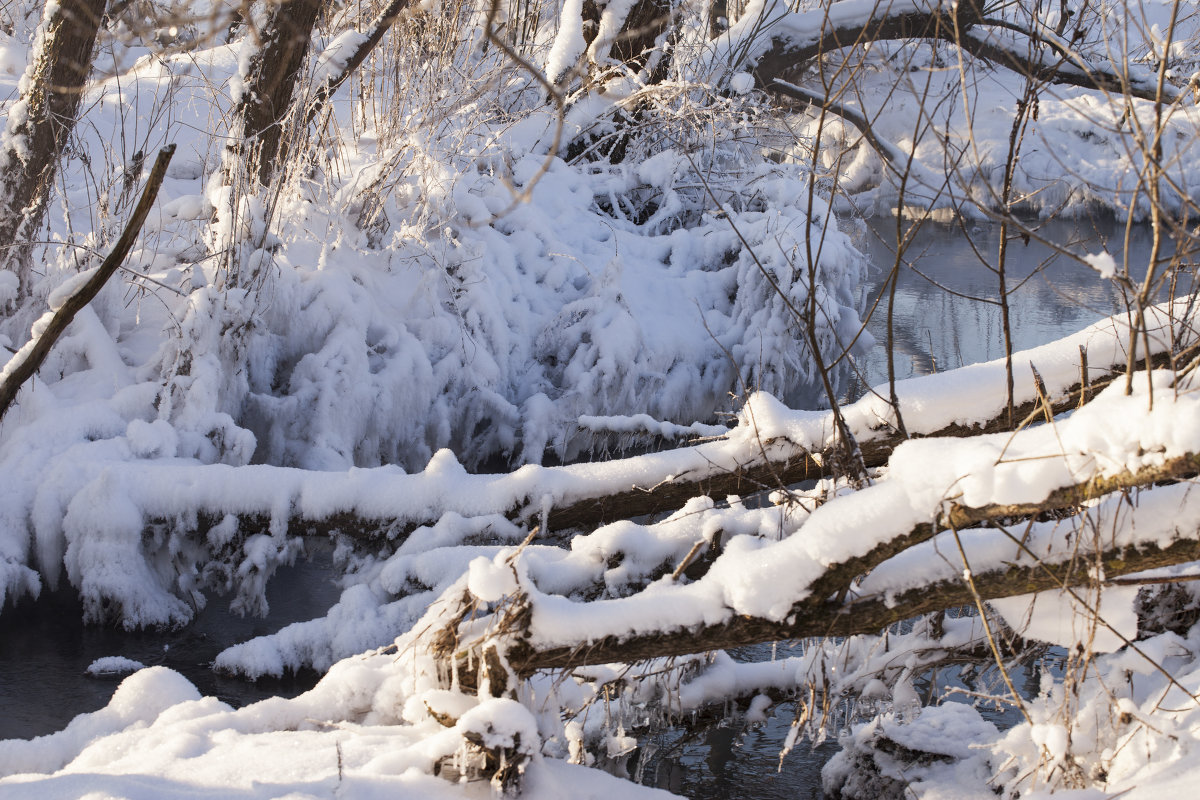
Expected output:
(158, 739)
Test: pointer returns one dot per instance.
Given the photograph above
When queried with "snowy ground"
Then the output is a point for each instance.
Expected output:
(405, 323)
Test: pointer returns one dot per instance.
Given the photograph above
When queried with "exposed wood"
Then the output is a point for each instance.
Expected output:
(40, 124)
(1064, 74)
(885, 150)
(786, 55)
(29, 359)
(271, 82)
(647, 21)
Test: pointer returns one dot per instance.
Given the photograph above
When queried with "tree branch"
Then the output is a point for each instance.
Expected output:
(379, 27)
(786, 55)
(29, 358)
(795, 464)
(817, 616)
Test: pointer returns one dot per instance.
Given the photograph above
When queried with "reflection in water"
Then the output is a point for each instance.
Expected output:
(735, 761)
(946, 313)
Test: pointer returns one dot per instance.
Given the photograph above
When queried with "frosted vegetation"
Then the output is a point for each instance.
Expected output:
(487, 289)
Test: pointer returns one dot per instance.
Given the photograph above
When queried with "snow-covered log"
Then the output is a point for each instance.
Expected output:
(770, 449)
(1101, 494)
(792, 41)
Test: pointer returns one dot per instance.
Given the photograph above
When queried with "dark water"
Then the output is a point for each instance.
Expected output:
(45, 650)
(943, 318)
(734, 760)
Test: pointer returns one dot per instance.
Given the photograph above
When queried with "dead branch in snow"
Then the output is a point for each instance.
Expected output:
(960, 24)
(29, 359)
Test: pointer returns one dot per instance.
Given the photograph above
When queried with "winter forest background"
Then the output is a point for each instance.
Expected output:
(549, 320)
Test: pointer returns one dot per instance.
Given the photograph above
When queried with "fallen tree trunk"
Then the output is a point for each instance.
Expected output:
(806, 36)
(769, 470)
(858, 617)
(562, 499)
(820, 616)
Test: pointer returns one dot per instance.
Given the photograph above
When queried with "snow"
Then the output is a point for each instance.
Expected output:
(185, 746)
(114, 665)
(490, 581)
(333, 58)
(1103, 263)
(569, 44)
(1062, 619)
(741, 82)
(759, 578)
(362, 340)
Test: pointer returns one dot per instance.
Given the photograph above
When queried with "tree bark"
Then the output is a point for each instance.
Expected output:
(271, 82)
(40, 123)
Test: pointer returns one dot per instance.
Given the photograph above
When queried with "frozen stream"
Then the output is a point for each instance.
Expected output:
(44, 650)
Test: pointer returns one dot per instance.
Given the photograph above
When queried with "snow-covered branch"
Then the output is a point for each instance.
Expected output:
(1059, 487)
(25, 363)
(795, 40)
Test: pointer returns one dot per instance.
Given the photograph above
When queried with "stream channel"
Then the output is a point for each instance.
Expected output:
(45, 650)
